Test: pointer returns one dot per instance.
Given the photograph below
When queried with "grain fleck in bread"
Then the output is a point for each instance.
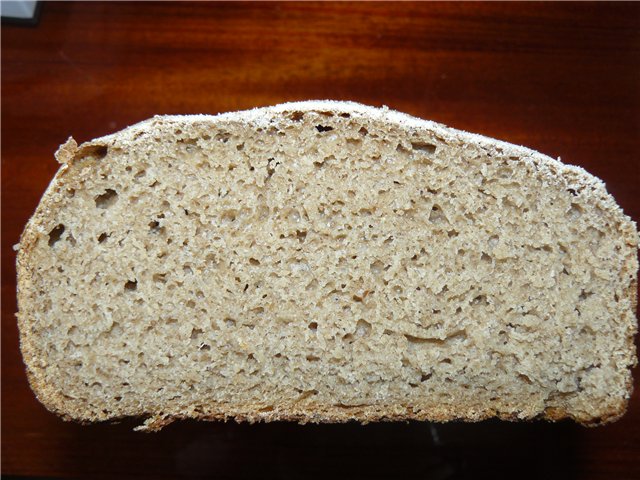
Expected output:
(321, 262)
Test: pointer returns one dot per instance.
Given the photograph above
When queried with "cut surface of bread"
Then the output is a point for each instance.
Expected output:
(322, 262)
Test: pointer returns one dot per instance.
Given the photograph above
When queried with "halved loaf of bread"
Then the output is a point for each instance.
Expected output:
(321, 262)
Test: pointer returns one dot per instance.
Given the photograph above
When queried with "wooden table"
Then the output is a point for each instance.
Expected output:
(561, 78)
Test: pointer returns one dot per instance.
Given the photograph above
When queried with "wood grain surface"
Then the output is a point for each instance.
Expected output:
(562, 78)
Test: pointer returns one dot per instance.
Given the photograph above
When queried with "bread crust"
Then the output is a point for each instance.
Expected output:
(70, 152)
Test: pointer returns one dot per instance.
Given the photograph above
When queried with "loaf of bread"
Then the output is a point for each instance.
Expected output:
(323, 262)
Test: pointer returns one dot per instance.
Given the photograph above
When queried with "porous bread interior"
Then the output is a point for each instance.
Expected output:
(324, 266)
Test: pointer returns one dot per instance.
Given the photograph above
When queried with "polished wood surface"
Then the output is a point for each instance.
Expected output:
(562, 78)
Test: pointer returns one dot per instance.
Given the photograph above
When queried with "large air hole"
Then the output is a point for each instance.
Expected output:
(154, 227)
(437, 215)
(525, 378)
(363, 328)
(377, 267)
(56, 234)
(574, 212)
(296, 116)
(480, 300)
(229, 216)
(348, 338)
(160, 277)
(424, 147)
(107, 199)
(96, 151)
(188, 141)
(103, 237)
(196, 333)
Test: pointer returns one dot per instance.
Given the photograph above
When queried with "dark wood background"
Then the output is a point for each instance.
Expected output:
(563, 78)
